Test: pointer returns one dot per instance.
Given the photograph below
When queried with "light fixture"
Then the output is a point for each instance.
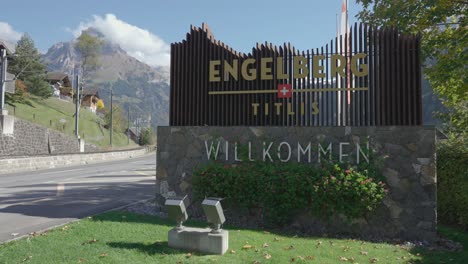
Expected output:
(214, 213)
(177, 209)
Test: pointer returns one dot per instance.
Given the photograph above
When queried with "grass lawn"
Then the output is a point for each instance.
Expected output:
(52, 113)
(121, 237)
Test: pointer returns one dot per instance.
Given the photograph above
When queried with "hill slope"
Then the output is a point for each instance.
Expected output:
(59, 115)
(135, 84)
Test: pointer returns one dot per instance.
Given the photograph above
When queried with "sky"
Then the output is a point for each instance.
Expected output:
(145, 28)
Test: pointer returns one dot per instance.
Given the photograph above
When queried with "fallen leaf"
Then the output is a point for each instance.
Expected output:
(179, 262)
(81, 260)
(364, 253)
(90, 242)
(232, 251)
(266, 232)
(277, 239)
(188, 255)
(265, 245)
(301, 258)
(346, 248)
(373, 260)
(103, 255)
(267, 256)
(27, 258)
(247, 246)
(310, 257)
(343, 259)
(256, 262)
(289, 247)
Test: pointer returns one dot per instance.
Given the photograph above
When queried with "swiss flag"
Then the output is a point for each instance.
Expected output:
(284, 90)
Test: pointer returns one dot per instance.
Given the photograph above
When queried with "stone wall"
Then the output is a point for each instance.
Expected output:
(408, 211)
(12, 165)
(29, 139)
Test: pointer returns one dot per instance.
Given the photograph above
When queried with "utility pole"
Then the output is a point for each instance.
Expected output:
(3, 78)
(112, 110)
(77, 105)
(128, 126)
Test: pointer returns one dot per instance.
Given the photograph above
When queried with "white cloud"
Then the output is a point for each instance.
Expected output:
(8, 34)
(137, 42)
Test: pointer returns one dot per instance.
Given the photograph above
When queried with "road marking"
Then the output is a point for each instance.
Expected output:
(60, 189)
(143, 173)
(53, 172)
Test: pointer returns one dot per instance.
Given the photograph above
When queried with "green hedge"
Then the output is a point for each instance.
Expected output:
(279, 191)
(452, 182)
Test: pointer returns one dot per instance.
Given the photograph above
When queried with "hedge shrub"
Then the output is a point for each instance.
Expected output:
(452, 182)
(278, 191)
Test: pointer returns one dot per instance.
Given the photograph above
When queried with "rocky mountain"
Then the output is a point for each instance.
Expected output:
(135, 84)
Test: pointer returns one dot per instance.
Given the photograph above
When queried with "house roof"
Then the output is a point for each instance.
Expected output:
(90, 93)
(8, 46)
(56, 76)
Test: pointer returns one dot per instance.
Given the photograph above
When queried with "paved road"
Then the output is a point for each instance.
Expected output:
(32, 201)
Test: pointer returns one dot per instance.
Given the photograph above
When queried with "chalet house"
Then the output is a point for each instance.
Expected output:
(61, 85)
(89, 99)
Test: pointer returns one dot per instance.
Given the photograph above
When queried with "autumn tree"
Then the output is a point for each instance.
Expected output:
(444, 41)
(89, 47)
(28, 67)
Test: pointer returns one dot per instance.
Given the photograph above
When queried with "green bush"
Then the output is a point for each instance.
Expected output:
(278, 191)
(452, 182)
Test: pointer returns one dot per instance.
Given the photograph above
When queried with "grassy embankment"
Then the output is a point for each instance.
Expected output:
(59, 115)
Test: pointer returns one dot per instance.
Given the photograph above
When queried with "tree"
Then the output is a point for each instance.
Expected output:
(89, 47)
(147, 137)
(444, 41)
(100, 104)
(119, 121)
(28, 67)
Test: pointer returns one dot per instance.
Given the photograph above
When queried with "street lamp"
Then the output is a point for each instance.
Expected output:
(214, 213)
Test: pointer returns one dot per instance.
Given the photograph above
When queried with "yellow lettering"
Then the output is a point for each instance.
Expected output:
(290, 112)
(252, 73)
(338, 64)
(231, 69)
(315, 109)
(279, 69)
(364, 68)
(278, 108)
(300, 67)
(265, 71)
(317, 70)
(214, 73)
(255, 108)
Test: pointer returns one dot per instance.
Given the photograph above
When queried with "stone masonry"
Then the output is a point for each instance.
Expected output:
(407, 153)
(29, 139)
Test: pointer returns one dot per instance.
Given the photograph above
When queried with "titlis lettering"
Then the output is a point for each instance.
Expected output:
(283, 151)
(271, 66)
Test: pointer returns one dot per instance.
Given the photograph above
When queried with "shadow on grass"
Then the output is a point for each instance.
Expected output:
(445, 256)
(158, 248)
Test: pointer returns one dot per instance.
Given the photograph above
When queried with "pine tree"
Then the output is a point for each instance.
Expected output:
(27, 66)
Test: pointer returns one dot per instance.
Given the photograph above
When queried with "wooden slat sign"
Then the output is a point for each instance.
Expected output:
(366, 77)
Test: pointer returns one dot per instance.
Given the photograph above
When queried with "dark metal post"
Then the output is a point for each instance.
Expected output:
(112, 110)
(77, 105)
(128, 126)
